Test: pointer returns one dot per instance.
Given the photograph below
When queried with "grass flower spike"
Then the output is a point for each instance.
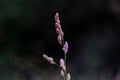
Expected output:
(59, 29)
(60, 33)
(64, 45)
(49, 59)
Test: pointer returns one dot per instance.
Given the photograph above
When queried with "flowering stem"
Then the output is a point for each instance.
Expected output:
(65, 67)
(64, 45)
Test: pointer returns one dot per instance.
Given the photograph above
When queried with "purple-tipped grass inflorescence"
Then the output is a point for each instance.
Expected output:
(59, 29)
(60, 38)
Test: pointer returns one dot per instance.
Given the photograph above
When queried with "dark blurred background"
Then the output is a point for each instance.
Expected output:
(91, 28)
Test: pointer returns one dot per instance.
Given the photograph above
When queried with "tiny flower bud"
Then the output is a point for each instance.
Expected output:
(57, 17)
(68, 76)
(60, 39)
(62, 64)
(65, 47)
(57, 31)
(45, 57)
(49, 59)
(57, 25)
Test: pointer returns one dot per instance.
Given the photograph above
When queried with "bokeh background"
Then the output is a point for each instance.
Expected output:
(91, 27)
